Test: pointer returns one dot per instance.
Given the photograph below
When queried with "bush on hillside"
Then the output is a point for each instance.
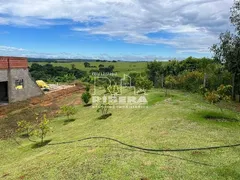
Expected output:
(143, 83)
(191, 81)
(212, 97)
(86, 96)
(68, 111)
(40, 130)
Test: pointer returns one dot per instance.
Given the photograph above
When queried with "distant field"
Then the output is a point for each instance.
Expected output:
(120, 67)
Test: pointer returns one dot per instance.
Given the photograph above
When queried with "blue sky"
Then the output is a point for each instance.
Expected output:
(112, 29)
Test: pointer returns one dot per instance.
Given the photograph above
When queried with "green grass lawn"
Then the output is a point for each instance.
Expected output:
(168, 123)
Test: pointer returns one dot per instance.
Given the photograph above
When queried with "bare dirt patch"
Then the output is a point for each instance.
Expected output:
(48, 104)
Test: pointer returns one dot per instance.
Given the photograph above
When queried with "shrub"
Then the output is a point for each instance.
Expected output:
(191, 81)
(86, 64)
(170, 82)
(203, 90)
(24, 128)
(106, 69)
(87, 88)
(219, 95)
(88, 79)
(103, 108)
(133, 76)
(39, 130)
(65, 78)
(113, 89)
(68, 111)
(224, 91)
(43, 128)
(212, 97)
(86, 96)
(143, 83)
(218, 77)
(154, 68)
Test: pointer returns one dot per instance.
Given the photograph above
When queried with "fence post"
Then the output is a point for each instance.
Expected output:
(162, 81)
(233, 86)
(205, 80)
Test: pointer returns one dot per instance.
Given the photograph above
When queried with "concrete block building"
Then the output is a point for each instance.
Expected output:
(16, 83)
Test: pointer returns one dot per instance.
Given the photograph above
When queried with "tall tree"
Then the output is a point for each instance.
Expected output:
(86, 64)
(235, 15)
(154, 70)
(227, 51)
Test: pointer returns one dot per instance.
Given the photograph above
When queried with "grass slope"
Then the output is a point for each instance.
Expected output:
(173, 122)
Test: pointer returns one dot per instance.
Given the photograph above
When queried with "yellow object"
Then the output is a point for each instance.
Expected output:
(42, 84)
(19, 87)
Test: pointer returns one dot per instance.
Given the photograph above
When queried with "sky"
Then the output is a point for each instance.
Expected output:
(131, 30)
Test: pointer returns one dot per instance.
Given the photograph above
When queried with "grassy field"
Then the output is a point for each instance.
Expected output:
(120, 67)
(182, 121)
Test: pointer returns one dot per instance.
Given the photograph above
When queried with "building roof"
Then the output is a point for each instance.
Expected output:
(13, 62)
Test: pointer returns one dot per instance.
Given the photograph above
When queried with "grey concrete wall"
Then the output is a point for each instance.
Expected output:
(30, 88)
(3, 75)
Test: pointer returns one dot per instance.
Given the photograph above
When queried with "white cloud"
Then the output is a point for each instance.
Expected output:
(195, 23)
(11, 49)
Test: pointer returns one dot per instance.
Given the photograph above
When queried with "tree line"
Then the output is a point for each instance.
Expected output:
(51, 73)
